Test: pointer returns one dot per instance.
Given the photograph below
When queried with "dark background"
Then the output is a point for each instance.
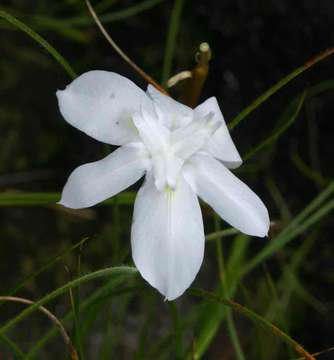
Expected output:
(254, 43)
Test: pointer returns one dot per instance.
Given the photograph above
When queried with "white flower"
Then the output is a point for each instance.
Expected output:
(182, 153)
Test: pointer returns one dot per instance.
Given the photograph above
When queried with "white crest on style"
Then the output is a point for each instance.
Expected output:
(182, 152)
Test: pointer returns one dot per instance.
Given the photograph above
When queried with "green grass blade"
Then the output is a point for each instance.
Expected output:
(231, 329)
(321, 87)
(46, 22)
(16, 351)
(271, 288)
(308, 172)
(280, 84)
(282, 240)
(177, 330)
(254, 317)
(130, 11)
(221, 233)
(237, 255)
(284, 283)
(144, 338)
(95, 300)
(305, 295)
(290, 115)
(287, 119)
(213, 316)
(113, 271)
(321, 198)
(234, 336)
(104, 5)
(320, 213)
(75, 303)
(213, 313)
(49, 48)
(14, 199)
(173, 29)
(279, 200)
(46, 266)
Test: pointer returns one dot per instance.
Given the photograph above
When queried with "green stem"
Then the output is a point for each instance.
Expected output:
(256, 318)
(283, 238)
(98, 297)
(271, 91)
(221, 233)
(281, 129)
(222, 275)
(121, 270)
(44, 267)
(47, 22)
(12, 346)
(42, 199)
(48, 47)
(173, 29)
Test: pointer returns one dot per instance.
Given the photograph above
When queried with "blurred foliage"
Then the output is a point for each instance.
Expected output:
(287, 279)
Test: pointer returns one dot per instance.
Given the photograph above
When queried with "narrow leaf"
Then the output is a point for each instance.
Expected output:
(271, 91)
(174, 24)
(287, 119)
(113, 271)
(49, 48)
(42, 199)
(256, 318)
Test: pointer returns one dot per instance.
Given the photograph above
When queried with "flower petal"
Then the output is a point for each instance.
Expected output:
(167, 237)
(101, 104)
(171, 113)
(152, 133)
(191, 138)
(221, 145)
(92, 183)
(233, 200)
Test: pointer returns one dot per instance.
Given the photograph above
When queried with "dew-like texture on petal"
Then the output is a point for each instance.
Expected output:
(171, 113)
(233, 200)
(167, 237)
(92, 183)
(221, 145)
(101, 104)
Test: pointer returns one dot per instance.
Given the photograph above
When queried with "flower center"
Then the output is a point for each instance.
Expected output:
(170, 149)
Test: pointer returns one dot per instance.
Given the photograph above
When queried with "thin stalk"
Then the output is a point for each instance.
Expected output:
(120, 270)
(48, 47)
(222, 275)
(53, 318)
(221, 233)
(308, 172)
(14, 199)
(283, 239)
(319, 353)
(173, 30)
(310, 208)
(12, 346)
(82, 21)
(98, 298)
(121, 53)
(46, 266)
(277, 133)
(193, 86)
(257, 318)
(281, 83)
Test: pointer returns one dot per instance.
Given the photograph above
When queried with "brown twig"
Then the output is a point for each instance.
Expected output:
(53, 318)
(140, 71)
(319, 353)
(194, 85)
